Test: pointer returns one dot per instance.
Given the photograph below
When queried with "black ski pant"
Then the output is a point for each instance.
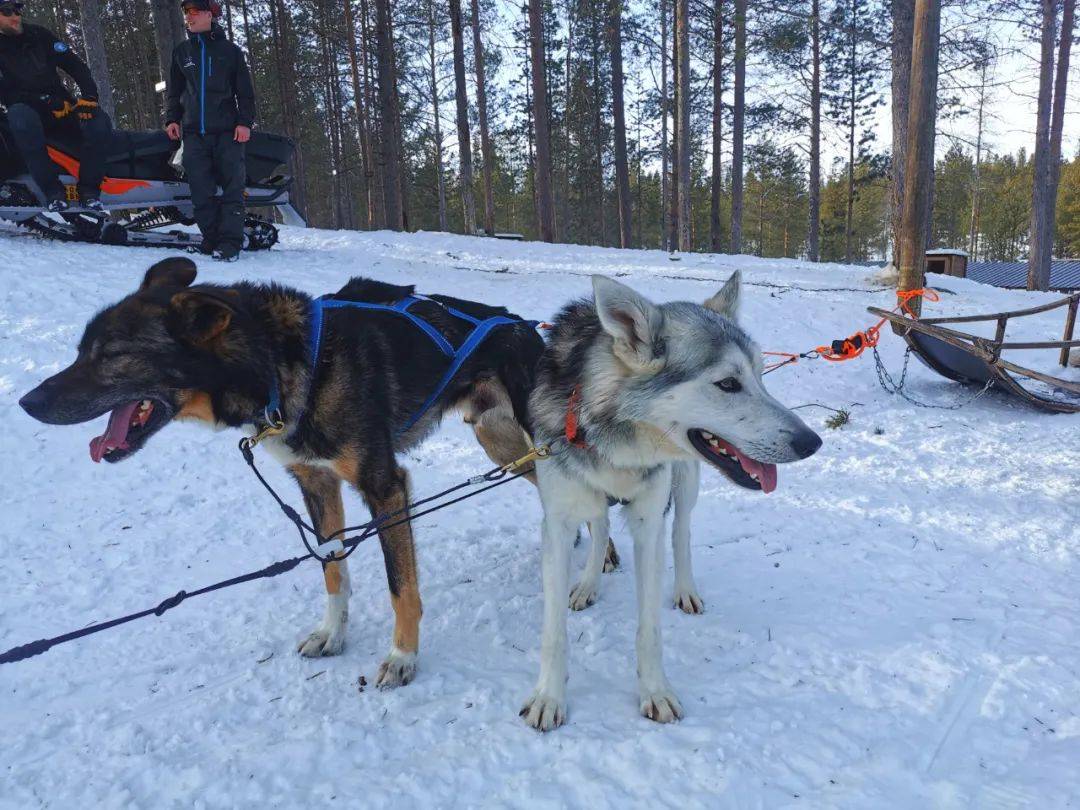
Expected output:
(28, 128)
(210, 161)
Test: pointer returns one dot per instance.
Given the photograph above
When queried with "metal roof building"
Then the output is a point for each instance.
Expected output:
(1064, 274)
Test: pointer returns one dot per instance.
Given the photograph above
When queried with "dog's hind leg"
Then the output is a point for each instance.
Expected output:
(646, 519)
(385, 488)
(322, 496)
(588, 587)
(685, 480)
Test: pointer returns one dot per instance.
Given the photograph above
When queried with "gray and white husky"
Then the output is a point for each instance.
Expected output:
(652, 386)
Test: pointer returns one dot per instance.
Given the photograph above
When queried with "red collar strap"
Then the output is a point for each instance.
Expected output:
(574, 434)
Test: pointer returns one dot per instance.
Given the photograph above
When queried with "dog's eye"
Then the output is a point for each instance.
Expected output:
(729, 385)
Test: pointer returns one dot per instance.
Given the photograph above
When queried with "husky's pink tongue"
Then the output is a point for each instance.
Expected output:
(765, 473)
(115, 435)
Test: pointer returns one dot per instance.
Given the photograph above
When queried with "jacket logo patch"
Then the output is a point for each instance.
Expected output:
(60, 47)
(190, 63)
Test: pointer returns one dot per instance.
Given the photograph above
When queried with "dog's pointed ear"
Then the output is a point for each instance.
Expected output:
(201, 315)
(726, 302)
(633, 322)
(178, 271)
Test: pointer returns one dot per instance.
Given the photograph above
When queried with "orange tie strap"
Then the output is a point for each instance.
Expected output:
(854, 345)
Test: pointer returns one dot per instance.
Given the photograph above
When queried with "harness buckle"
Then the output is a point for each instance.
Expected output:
(534, 454)
(275, 426)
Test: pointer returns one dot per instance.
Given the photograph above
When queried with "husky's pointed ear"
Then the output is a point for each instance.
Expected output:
(176, 272)
(200, 315)
(633, 321)
(726, 302)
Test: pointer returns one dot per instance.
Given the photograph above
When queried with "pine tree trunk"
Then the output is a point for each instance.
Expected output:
(738, 123)
(360, 103)
(544, 202)
(486, 150)
(1053, 168)
(168, 32)
(595, 33)
(919, 166)
(715, 235)
(682, 26)
(1039, 253)
(468, 199)
(440, 181)
(665, 202)
(852, 122)
(976, 181)
(94, 43)
(395, 215)
(376, 207)
(676, 138)
(813, 238)
(903, 12)
(402, 175)
(290, 104)
(622, 168)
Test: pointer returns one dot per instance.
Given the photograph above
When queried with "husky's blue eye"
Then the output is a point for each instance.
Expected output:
(729, 385)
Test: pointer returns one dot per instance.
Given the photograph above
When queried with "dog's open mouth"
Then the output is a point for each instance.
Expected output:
(739, 467)
(130, 425)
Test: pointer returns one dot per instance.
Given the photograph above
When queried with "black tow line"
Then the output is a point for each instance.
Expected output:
(326, 549)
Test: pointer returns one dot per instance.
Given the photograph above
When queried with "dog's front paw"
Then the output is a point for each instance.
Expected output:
(661, 705)
(544, 711)
(583, 595)
(688, 601)
(611, 560)
(398, 669)
(323, 641)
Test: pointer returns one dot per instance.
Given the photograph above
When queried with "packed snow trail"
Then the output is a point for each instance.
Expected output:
(898, 625)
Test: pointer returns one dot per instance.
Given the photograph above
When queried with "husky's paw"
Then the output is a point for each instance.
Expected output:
(583, 595)
(611, 561)
(324, 640)
(544, 711)
(688, 601)
(661, 705)
(398, 669)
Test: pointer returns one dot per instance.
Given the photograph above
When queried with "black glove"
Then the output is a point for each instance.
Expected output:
(86, 108)
(59, 106)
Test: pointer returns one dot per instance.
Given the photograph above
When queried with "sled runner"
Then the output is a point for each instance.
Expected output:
(142, 183)
(968, 358)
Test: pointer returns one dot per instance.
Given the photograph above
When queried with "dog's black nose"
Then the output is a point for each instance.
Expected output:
(806, 443)
(35, 402)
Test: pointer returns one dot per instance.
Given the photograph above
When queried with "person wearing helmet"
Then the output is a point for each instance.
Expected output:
(210, 103)
(37, 103)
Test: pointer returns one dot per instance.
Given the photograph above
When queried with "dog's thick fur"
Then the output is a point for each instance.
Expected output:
(210, 353)
(658, 385)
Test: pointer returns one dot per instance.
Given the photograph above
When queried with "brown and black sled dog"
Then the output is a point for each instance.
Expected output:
(221, 354)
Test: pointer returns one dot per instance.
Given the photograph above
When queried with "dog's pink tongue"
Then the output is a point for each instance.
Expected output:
(115, 435)
(765, 473)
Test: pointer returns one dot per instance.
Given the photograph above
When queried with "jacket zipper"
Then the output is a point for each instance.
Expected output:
(202, 88)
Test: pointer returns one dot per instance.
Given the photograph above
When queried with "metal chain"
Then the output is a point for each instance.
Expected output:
(891, 386)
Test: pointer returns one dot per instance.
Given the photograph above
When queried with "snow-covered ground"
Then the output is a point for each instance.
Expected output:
(898, 625)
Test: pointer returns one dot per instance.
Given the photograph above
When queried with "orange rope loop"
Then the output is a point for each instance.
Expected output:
(854, 345)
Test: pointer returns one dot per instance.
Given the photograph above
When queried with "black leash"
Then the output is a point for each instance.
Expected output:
(338, 549)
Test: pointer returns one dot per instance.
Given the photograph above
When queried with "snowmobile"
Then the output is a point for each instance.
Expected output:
(144, 191)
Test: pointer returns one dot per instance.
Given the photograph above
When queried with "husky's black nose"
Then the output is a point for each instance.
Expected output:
(36, 402)
(806, 443)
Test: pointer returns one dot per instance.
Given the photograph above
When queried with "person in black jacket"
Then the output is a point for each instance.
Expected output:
(210, 102)
(37, 103)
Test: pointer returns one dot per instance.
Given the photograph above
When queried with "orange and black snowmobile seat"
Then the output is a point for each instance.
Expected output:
(130, 155)
(146, 155)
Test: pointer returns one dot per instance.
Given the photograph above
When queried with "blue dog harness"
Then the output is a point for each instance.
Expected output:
(480, 331)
